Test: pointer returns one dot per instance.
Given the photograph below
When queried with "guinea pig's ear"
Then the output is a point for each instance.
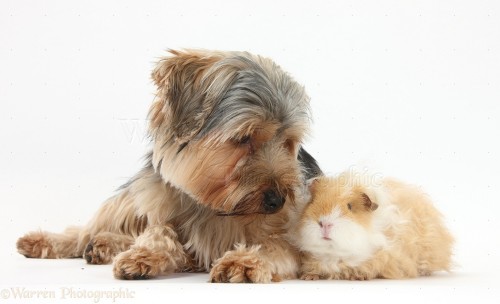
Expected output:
(183, 100)
(312, 185)
(367, 203)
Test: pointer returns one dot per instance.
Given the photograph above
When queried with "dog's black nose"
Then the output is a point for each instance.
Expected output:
(273, 202)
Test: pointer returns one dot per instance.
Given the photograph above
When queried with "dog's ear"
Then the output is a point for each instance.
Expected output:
(185, 95)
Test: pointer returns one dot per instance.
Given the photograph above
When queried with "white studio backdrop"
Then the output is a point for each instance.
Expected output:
(409, 88)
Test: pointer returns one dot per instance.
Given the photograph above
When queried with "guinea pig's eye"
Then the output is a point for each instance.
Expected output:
(349, 206)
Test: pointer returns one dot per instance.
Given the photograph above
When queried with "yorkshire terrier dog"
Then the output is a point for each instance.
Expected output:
(225, 168)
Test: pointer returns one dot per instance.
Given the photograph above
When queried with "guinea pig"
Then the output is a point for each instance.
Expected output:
(358, 227)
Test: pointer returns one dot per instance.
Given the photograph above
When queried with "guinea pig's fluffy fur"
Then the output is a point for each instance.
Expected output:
(361, 227)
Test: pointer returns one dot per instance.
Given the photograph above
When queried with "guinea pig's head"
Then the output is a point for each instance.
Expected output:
(338, 220)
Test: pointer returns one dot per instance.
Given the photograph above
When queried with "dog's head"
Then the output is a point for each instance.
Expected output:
(227, 128)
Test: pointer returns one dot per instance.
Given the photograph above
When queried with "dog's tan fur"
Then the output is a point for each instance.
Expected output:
(226, 129)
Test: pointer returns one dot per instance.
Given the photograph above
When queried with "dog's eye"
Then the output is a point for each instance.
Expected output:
(244, 140)
(349, 206)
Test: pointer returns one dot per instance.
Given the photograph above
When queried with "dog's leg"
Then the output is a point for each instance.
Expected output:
(103, 247)
(155, 252)
(272, 261)
(47, 245)
(115, 221)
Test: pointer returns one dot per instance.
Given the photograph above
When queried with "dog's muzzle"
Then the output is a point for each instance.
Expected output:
(273, 202)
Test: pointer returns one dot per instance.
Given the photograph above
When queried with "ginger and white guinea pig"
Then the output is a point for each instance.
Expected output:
(359, 227)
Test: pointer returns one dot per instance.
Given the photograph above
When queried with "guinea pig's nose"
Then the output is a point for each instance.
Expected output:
(273, 202)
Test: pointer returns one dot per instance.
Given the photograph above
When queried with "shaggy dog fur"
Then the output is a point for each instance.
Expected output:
(225, 168)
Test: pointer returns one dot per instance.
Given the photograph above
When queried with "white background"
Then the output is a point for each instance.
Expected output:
(410, 88)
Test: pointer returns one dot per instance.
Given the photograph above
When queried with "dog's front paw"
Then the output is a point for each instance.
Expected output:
(242, 265)
(105, 246)
(98, 252)
(138, 264)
